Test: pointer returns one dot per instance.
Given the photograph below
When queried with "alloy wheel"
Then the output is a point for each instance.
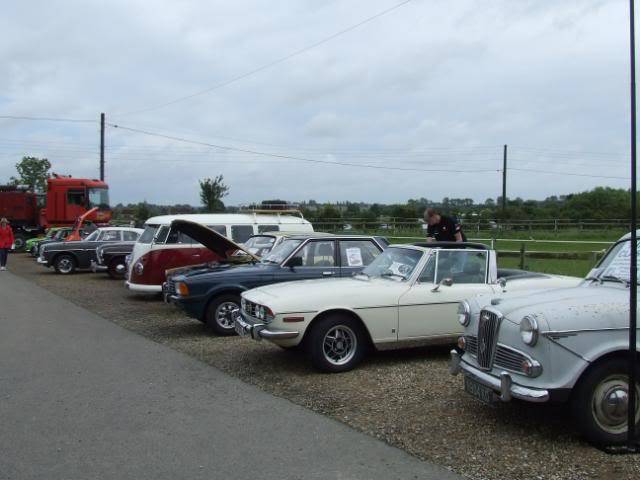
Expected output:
(224, 314)
(339, 345)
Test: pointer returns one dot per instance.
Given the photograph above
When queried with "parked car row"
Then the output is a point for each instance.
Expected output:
(337, 297)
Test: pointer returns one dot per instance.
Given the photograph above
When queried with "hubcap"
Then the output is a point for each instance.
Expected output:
(19, 243)
(65, 265)
(339, 345)
(120, 268)
(610, 403)
(224, 314)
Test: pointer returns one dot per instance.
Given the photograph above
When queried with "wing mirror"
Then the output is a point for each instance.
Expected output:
(445, 281)
(294, 262)
(503, 283)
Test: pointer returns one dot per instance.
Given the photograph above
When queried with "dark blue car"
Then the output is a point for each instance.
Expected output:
(211, 293)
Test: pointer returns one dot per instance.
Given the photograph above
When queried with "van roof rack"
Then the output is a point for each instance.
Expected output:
(272, 209)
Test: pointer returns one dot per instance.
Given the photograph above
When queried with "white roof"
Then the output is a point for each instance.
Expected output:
(228, 219)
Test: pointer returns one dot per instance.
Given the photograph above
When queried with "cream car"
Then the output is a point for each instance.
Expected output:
(408, 295)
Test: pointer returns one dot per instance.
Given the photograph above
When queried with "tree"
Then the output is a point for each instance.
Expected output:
(211, 192)
(33, 171)
(143, 212)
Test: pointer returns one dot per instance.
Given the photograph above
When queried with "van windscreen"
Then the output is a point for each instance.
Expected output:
(241, 233)
(148, 234)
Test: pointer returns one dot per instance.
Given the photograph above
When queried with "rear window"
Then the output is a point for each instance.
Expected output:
(241, 233)
(147, 235)
(129, 236)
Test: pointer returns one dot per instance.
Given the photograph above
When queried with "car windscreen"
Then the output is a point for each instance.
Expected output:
(260, 245)
(148, 234)
(617, 262)
(394, 262)
(281, 252)
(93, 237)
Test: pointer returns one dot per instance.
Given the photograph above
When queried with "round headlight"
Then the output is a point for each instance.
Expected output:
(464, 313)
(138, 268)
(529, 330)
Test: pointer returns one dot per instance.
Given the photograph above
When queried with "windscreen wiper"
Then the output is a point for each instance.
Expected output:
(391, 274)
(613, 278)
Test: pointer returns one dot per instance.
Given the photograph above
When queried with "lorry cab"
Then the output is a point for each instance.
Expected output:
(161, 248)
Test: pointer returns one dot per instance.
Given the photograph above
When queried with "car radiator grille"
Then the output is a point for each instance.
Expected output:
(171, 287)
(249, 308)
(487, 338)
(505, 357)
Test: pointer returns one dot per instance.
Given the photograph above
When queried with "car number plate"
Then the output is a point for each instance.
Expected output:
(240, 330)
(479, 391)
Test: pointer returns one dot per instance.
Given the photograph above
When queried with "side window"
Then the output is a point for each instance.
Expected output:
(357, 253)
(268, 228)
(176, 237)
(429, 271)
(161, 236)
(221, 229)
(110, 236)
(241, 233)
(462, 266)
(319, 253)
(75, 197)
(129, 236)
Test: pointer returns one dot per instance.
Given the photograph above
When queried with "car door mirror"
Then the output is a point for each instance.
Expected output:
(294, 262)
(445, 281)
(503, 283)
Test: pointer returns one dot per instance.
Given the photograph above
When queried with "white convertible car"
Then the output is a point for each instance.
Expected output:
(409, 294)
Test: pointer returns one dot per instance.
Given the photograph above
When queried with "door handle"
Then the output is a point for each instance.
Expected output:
(327, 274)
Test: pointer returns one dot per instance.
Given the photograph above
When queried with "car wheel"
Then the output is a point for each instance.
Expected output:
(218, 315)
(336, 343)
(117, 268)
(65, 264)
(18, 241)
(599, 403)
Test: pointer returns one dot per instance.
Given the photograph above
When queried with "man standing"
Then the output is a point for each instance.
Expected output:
(442, 228)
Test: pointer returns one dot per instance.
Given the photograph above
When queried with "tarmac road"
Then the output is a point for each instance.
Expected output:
(81, 398)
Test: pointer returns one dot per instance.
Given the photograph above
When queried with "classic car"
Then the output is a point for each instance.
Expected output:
(60, 234)
(211, 293)
(111, 258)
(408, 295)
(563, 345)
(31, 244)
(67, 257)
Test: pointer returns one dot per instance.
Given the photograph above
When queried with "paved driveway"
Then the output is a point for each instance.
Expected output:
(81, 398)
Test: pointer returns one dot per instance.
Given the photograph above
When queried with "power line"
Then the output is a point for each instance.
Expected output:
(551, 172)
(47, 119)
(290, 157)
(267, 65)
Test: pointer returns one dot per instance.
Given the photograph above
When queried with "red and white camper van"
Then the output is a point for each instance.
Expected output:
(161, 248)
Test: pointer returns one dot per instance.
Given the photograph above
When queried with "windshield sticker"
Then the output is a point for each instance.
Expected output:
(354, 257)
(619, 266)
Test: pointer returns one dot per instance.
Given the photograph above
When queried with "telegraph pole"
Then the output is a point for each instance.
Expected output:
(504, 180)
(632, 444)
(102, 146)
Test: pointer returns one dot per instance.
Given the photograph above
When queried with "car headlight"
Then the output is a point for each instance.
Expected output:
(529, 330)
(138, 268)
(464, 313)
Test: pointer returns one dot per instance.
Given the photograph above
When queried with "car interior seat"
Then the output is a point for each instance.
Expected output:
(324, 255)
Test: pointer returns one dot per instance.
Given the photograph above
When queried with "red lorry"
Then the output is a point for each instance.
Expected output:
(67, 198)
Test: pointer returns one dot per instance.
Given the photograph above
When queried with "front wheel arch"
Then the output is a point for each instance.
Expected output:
(339, 311)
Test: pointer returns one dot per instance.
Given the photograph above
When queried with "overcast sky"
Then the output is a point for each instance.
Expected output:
(432, 85)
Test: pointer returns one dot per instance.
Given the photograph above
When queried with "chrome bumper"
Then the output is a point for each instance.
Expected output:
(41, 261)
(97, 268)
(258, 331)
(503, 385)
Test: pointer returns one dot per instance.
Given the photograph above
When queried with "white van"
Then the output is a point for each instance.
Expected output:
(160, 248)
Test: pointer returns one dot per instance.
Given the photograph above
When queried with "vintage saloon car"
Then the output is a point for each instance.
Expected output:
(409, 294)
(111, 258)
(211, 293)
(566, 344)
(67, 257)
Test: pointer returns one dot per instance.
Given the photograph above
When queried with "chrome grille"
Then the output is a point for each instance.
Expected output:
(505, 357)
(249, 308)
(487, 338)
(171, 287)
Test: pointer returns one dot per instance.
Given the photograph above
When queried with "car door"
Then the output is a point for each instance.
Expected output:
(355, 254)
(313, 259)
(427, 311)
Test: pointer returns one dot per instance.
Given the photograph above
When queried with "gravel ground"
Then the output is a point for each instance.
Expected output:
(406, 398)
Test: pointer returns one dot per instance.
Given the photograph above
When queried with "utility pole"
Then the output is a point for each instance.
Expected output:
(632, 443)
(102, 147)
(504, 180)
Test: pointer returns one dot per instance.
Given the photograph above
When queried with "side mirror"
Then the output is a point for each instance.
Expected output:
(445, 281)
(503, 283)
(295, 262)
